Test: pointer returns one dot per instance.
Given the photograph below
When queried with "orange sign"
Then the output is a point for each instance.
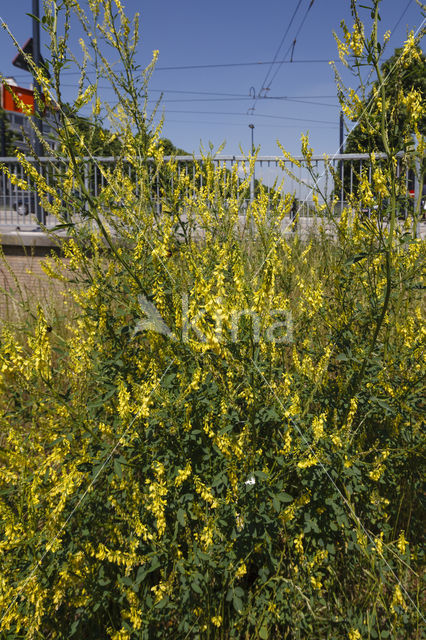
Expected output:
(9, 102)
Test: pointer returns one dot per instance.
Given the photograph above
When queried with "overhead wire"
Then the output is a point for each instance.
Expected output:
(294, 41)
(280, 45)
(245, 98)
(239, 124)
(240, 64)
(263, 87)
(401, 16)
(208, 66)
(290, 48)
(220, 93)
(239, 113)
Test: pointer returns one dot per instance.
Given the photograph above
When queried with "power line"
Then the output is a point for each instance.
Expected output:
(318, 104)
(238, 95)
(291, 47)
(259, 115)
(294, 41)
(238, 124)
(244, 99)
(219, 93)
(241, 64)
(241, 113)
(208, 66)
(402, 15)
(280, 45)
(308, 99)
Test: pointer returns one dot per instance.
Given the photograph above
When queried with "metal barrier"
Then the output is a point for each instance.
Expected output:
(329, 178)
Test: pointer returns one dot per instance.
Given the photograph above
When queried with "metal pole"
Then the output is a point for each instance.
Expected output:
(38, 148)
(36, 58)
(252, 153)
(3, 134)
(418, 192)
(341, 168)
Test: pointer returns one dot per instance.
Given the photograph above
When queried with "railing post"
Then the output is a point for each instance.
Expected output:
(418, 191)
(86, 181)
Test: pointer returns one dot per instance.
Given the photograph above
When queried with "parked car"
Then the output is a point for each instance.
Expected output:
(412, 194)
(23, 202)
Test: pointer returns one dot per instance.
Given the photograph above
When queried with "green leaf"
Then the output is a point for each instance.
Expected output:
(162, 602)
(143, 571)
(196, 587)
(263, 632)
(238, 604)
(117, 468)
(356, 258)
(285, 497)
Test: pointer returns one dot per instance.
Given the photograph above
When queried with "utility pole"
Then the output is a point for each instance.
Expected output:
(36, 57)
(341, 167)
(38, 147)
(2, 135)
(252, 153)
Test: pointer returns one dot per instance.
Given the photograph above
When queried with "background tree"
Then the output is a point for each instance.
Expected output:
(171, 150)
(399, 76)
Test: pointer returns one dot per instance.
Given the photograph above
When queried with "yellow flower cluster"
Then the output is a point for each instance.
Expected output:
(156, 498)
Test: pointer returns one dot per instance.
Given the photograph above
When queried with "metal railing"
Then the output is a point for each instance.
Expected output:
(330, 179)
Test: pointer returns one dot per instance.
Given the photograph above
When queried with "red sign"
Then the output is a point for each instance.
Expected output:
(9, 102)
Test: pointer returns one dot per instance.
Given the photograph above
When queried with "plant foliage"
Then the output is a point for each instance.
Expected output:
(244, 462)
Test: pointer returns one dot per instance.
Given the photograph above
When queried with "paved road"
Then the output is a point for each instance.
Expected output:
(26, 233)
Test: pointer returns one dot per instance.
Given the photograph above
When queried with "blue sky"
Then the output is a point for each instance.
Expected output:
(213, 104)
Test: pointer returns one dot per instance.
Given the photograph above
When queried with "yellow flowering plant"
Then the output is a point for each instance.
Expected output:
(223, 437)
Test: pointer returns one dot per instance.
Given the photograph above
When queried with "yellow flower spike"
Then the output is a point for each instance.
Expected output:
(217, 621)
(357, 39)
(159, 591)
(157, 491)
(410, 51)
(288, 155)
(286, 448)
(318, 426)
(316, 583)
(307, 151)
(310, 461)
(378, 543)
(397, 599)
(205, 492)
(298, 543)
(343, 46)
(183, 474)
(206, 536)
(402, 543)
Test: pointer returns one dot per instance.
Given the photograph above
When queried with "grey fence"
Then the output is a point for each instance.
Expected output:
(331, 179)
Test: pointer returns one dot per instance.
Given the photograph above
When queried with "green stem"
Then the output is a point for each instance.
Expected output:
(357, 378)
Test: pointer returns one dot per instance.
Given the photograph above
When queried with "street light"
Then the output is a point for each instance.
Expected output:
(252, 142)
(252, 153)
